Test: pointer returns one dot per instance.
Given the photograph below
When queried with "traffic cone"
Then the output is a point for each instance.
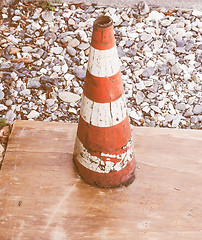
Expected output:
(103, 152)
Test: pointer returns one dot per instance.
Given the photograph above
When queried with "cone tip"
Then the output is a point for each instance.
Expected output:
(103, 22)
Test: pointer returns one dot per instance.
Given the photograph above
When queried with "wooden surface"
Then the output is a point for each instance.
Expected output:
(42, 196)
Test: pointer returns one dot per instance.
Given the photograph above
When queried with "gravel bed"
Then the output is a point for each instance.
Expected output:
(44, 54)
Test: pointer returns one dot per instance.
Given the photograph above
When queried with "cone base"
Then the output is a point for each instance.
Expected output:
(123, 177)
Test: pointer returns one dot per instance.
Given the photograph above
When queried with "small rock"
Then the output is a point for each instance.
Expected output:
(35, 26)
(82, 35)
(25, 92)
(50, 102)
(9, 102)
(169, 117)
(71, 51)
(188, 113)
(80, 73)
(176, 69)
(135, 115)
(83, 46)
(140, 85)
(148, 72)
(1, 95)
(176, 120)
(74, 43)
(165, 23)
(56, 50)
(139, 97)
(167, 86)
(156, 109)
(71, 22)
(33, 83)
(143, 8)
(180, 43)
(180, 106)
(194, 119)
(197, 109)
(14, 50)
(10, 116)
(154, 15)
(72, 110)
(68, 77)
(47, 16)
(196, 13)
(64, 68)
(27, 49)
(33, 114)
(50, 36)
(68, 96)
(3, 107)
(146, 37)
(57, 69)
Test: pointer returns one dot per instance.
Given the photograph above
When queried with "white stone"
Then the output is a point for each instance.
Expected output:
(33, 114)
(27, 49)
(54, 75)
(57, 69)
(13, 39)
(3, 107)
(154, 15)
(72, 110)
(167, 86)
(16, 18)
(56, 50)
(43, 71)
(68, 77)
(69, 96)
(197, 13)
(36, 26)
(135, 115)
(40, 41)
(146, 109)
(140, 85)
(47, 16)
(64, 68)
(139, 97)
(14, 76)
(156, 109)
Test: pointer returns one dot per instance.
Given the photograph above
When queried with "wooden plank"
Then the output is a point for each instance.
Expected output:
(42, 196)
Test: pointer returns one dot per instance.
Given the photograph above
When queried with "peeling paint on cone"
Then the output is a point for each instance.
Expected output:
(103, 151)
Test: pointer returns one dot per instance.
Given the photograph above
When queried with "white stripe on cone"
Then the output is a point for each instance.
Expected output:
(103, 63)
(95, 164)
(103, 114)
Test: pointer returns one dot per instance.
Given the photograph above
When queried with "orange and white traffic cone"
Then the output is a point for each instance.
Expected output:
(103, 152)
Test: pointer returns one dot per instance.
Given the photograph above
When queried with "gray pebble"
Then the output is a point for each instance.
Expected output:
(1, 94)
(180, 106)
(148, 72)
(71, 51)
(10, 116)
(33, 83)
(197, 109)
(83, 46)
(80, 73)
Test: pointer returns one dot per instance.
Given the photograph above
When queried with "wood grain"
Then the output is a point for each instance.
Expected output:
(42, 196)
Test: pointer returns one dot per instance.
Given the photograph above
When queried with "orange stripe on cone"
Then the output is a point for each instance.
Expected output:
(103, 35)
(104, 139)
(106, 89)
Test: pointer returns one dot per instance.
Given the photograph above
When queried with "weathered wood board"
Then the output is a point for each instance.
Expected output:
(42, 196)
